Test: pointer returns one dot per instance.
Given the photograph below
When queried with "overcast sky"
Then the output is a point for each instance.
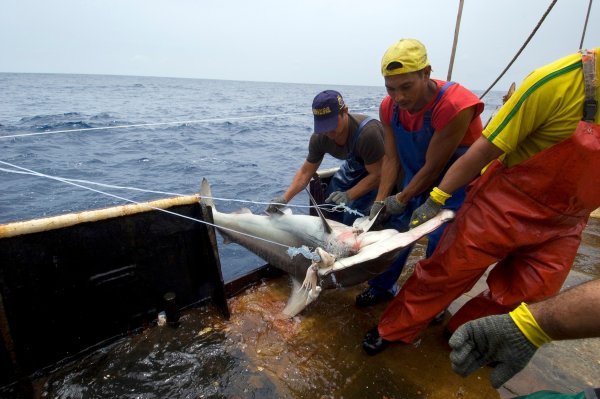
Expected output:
(302, 41)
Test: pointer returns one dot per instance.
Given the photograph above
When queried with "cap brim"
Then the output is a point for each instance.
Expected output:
(324, 125)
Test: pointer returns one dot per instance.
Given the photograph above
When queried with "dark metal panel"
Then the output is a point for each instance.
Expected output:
(67, 289)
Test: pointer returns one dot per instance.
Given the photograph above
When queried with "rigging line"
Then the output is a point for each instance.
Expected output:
(163, 123)
(456, 29)
(521, 49)
(143, 204)
(152, 124)
(587, 16)
(65, 179)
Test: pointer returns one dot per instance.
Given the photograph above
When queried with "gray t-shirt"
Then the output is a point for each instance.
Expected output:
(369, 148)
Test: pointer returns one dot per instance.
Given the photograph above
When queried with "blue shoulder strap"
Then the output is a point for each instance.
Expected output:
(442, 91)
(427, 115)
(357, 135)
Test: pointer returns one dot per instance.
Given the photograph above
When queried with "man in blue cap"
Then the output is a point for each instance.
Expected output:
(354, 138)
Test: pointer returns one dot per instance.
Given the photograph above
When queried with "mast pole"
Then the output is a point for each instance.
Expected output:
(587, 16)
(456, 29)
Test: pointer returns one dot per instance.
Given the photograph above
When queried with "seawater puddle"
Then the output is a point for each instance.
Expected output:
(588, 255)
(256, 354)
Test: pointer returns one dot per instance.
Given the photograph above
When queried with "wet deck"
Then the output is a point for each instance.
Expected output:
(325, 341)
(567, 366)
(315, 355)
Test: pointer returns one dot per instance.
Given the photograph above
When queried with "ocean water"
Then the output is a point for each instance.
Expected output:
(157, 134)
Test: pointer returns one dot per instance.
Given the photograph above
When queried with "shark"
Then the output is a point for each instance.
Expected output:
(338, 255)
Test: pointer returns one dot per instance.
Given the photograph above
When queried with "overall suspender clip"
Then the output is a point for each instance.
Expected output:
(590, 107)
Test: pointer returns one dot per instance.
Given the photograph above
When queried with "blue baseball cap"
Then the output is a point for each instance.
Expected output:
(326, 107)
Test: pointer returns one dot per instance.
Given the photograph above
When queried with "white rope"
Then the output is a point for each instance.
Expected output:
(291, 250)
(76, 182)
(162, 124)
(29, 171)
(150, 124)
(326, 207)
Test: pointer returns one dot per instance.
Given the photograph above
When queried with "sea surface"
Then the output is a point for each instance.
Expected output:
(157, 134)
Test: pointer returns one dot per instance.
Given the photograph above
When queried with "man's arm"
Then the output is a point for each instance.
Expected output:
(369, 182)
(390, 164)
(301, 179)
(460, 173)
(572, 314)
(443, 144)
(469, 165)
(511, 340)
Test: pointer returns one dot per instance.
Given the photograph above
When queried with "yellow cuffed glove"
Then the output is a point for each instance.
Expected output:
(510, 340)
(430, 208)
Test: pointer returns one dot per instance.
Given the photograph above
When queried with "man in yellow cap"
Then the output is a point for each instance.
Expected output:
(525, 213)
(428, 124)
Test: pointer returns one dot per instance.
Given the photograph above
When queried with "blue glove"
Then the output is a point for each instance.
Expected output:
(428, 210)
(339, 197)
(276, 204)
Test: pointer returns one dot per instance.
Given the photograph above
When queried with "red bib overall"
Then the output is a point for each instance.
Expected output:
(528, 218)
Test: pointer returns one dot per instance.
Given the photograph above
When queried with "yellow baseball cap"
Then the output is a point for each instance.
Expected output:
(404, 56)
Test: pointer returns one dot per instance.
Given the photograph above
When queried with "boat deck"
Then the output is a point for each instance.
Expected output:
(317, 354)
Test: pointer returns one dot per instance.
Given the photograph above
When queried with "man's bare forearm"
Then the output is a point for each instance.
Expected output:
(572, 314)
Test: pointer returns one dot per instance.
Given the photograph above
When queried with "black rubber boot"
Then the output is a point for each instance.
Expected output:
(373, 343)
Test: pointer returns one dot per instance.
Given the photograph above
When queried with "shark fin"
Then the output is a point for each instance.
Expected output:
(304, 294)
(326, 225)
(313, 294)
(327, 259)
(297, 301)
(364, 224)
(206, 194)
(280, 212)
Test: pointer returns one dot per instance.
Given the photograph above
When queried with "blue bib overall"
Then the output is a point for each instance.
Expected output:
(351, 171)
(412, 148)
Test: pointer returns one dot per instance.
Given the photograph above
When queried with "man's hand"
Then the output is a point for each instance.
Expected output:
(428, 210)
(490, 339)
(393, 206)
(276, 204)
(338, 197)
(375, 208)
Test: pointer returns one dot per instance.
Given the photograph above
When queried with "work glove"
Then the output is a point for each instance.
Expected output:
(375, 208)
(393, 206)
(490, 339)
(276, 204)
(339, 197)
(428, 210)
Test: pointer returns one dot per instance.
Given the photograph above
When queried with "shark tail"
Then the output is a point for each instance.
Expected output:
(206, 194)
